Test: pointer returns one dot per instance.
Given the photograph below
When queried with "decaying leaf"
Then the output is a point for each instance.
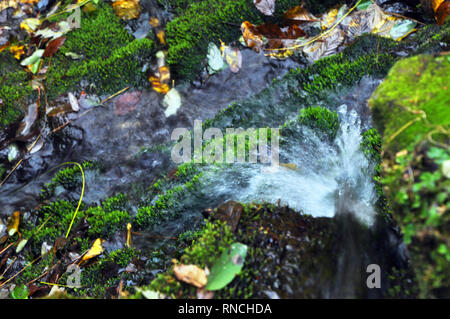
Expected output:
(53, 46)
(266, 7)
(442, 12)
(28, 121)
(299, 14)
(172, 102)
(127, 9)
(154, 22)
(73, 102)
(253, 39)
(160, 35)
(8, 4)
(95, 250)
(215, 59)
(30, 25)
(232, 56)
(157, 85)
(191, 274)
(227, 266)
(12, 224)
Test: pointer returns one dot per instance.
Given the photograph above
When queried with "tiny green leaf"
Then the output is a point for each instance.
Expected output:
(20, 292)
(227, 266)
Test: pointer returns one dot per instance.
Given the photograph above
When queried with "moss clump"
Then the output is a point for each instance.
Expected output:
(320, 118)
(14, 89)
(69, 178)
(413, 100)
(111, 58)
(208, 21)
(410, 108)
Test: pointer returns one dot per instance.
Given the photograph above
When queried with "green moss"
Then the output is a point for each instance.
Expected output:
(14, 89)
(266, 230)
(412, 101)
(111, 58)
(415, 149)
(208, 21)
(321, 119)
(69, 178)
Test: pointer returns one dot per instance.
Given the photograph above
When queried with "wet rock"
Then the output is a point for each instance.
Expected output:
(230, 212)
(127, 102)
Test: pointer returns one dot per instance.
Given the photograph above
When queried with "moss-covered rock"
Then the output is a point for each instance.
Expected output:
(410, 108)
(111, 58)
(208, 21)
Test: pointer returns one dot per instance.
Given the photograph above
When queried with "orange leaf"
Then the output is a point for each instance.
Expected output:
(442, 12)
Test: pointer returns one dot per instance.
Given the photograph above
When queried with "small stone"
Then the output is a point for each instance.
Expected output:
(127, 102)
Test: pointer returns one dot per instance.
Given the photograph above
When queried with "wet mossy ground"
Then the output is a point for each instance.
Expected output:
(268, 230)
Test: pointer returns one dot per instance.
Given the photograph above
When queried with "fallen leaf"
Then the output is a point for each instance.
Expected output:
(21, 245)
(266, 7)
(8, 4)
(191, 274)
(30, 25)
(37, 147)
(232, 56)
(172, 102)
(95, 250)
(402, 29)
(17, 50)
(157, 85)
(252, 37)
(160, 36)
(73, 102)
(442, 12)
(154, 22)
(299, 14)
(28, 121)
(227, 266)
(35, 57)
(20, 292)
(291, 166)
(127, 9)
(215, 59)
(53, 46)
(13, 223)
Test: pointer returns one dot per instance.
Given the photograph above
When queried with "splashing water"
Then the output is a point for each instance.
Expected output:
(330, 178)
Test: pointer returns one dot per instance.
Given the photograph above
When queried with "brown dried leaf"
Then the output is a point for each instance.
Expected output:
(299, 14)
(53, 46)
(442, 12)
(191, 274)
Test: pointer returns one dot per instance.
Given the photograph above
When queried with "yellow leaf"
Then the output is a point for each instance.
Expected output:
(17, 50)
(127, 9)
(291, 166)
(157, 85)
(13, 223)
(30, 24)
(191, 274)
(8, 4)
(95, 250)
(154, 22)
(160, 36)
